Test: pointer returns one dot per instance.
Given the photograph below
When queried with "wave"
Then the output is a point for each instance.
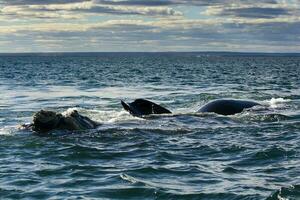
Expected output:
(265, 156)
(286, 193)
(265, 117)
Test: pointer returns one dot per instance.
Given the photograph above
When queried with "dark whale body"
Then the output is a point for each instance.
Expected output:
(142, 107)
(227, 106)
(45, 121)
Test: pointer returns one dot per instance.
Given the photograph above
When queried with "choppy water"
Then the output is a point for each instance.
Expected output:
(252, 155)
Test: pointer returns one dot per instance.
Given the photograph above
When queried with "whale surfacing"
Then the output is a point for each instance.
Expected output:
(142, 107)
(45, 121)
(227, 106)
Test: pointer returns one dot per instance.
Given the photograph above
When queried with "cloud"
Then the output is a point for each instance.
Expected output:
(140, 2)
(160, 35)
(40, 2)
(152, 8)
(90, 7)
(137, 2)
(256, 12)
(77, 10)
(181, 2)
(152, 25)
(250, 11)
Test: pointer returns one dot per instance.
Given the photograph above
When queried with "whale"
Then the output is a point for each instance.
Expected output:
(45, 121)
(143, 107)
(227, 106)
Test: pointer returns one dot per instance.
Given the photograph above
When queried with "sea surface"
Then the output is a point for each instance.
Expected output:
(184, 155)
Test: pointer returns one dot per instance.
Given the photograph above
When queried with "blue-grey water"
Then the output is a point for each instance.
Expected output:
(186, 155)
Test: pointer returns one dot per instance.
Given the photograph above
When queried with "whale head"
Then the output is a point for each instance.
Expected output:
(44, 121)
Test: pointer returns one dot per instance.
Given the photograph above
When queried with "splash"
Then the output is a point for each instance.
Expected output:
(111, 116)
(277, 102)
(69, 111)
(6, 130)
(286, 193)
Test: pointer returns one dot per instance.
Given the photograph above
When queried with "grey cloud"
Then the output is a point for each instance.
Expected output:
(182, 2)
(40, 2)
(279, 33)
(144, 7)
(276, 31)
(139, 2)
(133, 37)
(100, 9)
(255, 12)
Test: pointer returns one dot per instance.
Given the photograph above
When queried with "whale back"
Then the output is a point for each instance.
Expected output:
(227, 106)
(142, 107)
(72, 120)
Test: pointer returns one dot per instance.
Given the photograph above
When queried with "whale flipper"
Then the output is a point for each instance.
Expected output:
(142, 107)
(227, 106)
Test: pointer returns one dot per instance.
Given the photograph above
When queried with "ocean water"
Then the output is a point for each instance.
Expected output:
(185, 155)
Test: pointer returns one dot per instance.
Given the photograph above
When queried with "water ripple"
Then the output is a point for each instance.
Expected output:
(185, 155)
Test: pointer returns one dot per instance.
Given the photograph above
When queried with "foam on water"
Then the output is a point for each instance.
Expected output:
(111, 116)
(277, 102)
(7, 130)
(69, 111)
(286, 193)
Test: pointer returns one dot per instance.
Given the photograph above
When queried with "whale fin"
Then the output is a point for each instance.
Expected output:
(141, 107)
(131, 109)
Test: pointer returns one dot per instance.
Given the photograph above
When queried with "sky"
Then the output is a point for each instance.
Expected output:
(149, 25)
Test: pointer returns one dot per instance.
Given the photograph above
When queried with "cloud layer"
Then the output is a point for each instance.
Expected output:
(152, 25)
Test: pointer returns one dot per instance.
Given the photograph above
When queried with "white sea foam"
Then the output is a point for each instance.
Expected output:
(101, 116)
(69, 111)
(277, 102)
(111, 116)
(6, 130)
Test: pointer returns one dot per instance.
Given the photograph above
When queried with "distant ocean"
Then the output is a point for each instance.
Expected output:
(186, 155)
